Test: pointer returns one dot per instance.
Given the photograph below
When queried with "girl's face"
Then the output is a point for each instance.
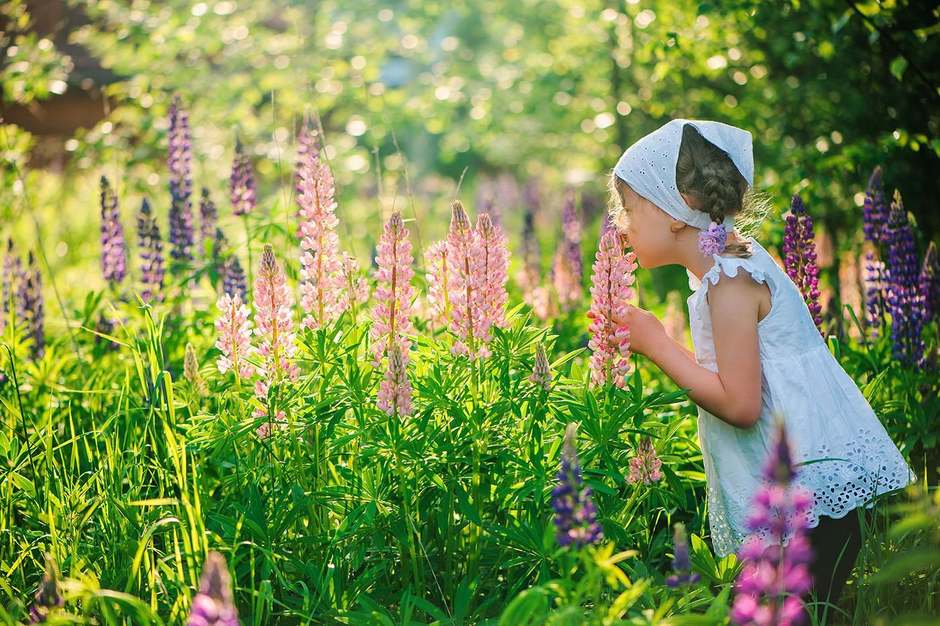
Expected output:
(647, 229)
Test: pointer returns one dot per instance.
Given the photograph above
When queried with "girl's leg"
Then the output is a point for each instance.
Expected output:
(836, 544)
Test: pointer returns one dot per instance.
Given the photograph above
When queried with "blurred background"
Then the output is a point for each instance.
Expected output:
(509, 106)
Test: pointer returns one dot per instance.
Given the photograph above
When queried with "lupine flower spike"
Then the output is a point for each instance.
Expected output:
(321, 278)
(242, 182)
(150, 248)
(776, 555)
(681, 564)
(395, 390)
(233, 278)
(905, 299)
(191, 371)
(645, 466)
(391, 316)
(568, 265)
(48, 597)
(541, 371)
(799, 259)
(355, 291)
(463, 257)
(113, 251)
(529, 276)
(274, 325)
(493, 265)
(214, 604)
(208, 218)
(611, 292)
(31, 311)
(179, 162)
(875, 209)
(575, 516)
(876, 290)
(438, 277)
(929, 283)
(8, 287)
(234, 336)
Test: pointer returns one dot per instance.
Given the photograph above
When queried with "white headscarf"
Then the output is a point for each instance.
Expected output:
(649, 165)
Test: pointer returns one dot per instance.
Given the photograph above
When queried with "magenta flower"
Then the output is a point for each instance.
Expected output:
(321, 278)
(391, 317)
(214, 604)
(611, 292)
(273, 324)
(113, 252)
(234, 336)
(776, 555)
(242, 182)
(541, 371)
(395, 390)
(799, 250)
(645, 466)
(438, 277)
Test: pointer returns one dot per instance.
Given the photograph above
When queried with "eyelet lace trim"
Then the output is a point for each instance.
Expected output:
(850, 477)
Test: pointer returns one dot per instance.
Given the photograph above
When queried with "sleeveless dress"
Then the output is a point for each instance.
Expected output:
(826, 415)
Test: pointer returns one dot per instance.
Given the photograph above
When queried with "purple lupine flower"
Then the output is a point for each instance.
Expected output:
(799, 249)
(151, 254)
(242, 182)
(875, 209)
(568, 266)
(929, 283)
(31, 311)
(179, 163)
(575, 516)
(208, 216)
(11, 272)
(876, 287)
(113, 252)
(681, 563)
(48, 596)
(214, 605)
(777, 554)
(905, 300)
(233, 278)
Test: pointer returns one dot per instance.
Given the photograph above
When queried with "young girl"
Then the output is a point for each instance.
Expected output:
(757, 354)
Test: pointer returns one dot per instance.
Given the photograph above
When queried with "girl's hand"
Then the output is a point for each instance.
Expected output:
(646, 331)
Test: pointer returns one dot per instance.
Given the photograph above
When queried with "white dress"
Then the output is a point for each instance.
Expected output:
(826, 415)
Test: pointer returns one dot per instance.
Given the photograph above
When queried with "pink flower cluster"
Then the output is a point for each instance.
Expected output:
(321, 274)
(395, 390)
(477, 261)
(435, 261)
(234, 332)
(645, 466)
(611, 292)
(273, 302)
(391, 316)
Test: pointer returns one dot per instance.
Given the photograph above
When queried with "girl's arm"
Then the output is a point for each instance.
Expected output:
(736, 396)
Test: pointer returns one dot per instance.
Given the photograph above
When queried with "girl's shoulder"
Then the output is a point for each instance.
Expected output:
(756, 266)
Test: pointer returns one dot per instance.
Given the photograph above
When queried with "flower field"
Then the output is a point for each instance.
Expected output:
(422, 441)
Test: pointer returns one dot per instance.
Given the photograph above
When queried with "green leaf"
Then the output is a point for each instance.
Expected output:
(898, 65)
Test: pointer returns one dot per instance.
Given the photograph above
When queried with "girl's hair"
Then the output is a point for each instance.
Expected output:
(706, 173)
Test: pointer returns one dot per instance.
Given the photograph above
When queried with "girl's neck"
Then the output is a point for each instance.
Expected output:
(693, 260)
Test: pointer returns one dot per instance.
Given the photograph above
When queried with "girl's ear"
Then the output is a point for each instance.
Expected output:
(676, 225)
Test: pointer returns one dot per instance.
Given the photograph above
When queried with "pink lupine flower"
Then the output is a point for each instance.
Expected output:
(610, 294)
(472, 298)
(541, 371)
(266, 428)
(777, 554)
(321, 285)
(645, 466)
(234, 331)
(395, 391)
(435, 260)
(273, 302)
(393, 294)
(494, 264)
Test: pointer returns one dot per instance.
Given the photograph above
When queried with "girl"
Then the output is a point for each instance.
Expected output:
(758, 354)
